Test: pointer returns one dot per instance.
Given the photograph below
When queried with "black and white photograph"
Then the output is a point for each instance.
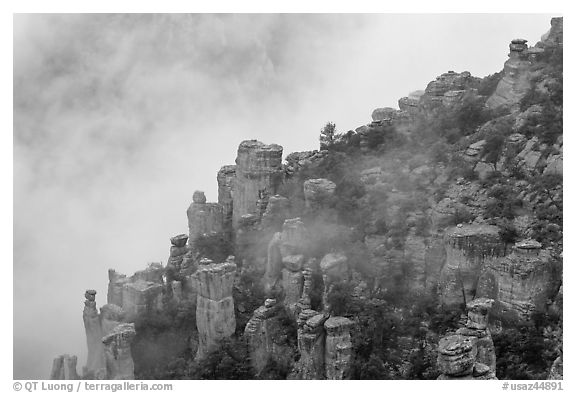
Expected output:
(287, 196)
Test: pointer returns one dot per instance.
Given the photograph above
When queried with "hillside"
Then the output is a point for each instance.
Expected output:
(426, 244)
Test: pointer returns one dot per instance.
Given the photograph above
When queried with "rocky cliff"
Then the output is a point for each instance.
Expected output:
(371, 246)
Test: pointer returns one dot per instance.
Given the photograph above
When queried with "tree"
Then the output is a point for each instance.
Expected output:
(327, 136)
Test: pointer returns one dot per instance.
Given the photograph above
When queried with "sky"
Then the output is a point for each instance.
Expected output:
(118, 119)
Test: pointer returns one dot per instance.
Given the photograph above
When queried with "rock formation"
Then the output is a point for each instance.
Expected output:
(467, 249)
(338, 350)
(522, 280)
(178, 250)
(215, 318)
(317, 191)
(275, 214)
(95, 363)
(142, 291)
(311, 345)
(119, 363)
(64, 367)
(286, 260)
(225, 179)
(258, 169)
(334, 268)
(516, 81)
(260, 332)
(448, 89)
(204, 218)
(469, 353)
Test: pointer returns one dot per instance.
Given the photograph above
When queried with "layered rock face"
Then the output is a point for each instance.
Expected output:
(258, 169)
(516, 81)
(469, 354)
(95, 363)
(204, 218)
(468, 247)
(523, 280)
(316, 191)
(215, 306)
(119, 363)
(64, 367)
(338, 350)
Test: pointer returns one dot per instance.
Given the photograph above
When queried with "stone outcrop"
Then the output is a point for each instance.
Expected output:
(468, 247)
(215, 318)
(119, 363)
(334, 268)
(384, 114)
(469, 353)
(338, 349)
(286, 260)
(311, 345)
(522, 280)
(316, 191)
(95, 363)
(260, 332)
(178, 250)
(516, 80)
(258, 169)
(477, 326)
(225, 179)
(555, 36)
(276, 212)
(204, 218)
(142, 291)
(411, 103)
(325, 346)
(64, 368)
(302, 159)
(447, 89)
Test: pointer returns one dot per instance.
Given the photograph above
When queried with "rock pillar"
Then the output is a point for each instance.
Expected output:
(119, 363)
(258, 169)
(215, 318)
(95, 363)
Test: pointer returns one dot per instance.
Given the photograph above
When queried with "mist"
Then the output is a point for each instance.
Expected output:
(118, 119)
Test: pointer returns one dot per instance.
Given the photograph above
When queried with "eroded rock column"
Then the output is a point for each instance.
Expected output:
(215, 306)
(119, 363)
(203, 218)
(311, 344)
(338, 350)
(260, 332)
(469, 353)
(258, 169)
(334, 268)
(95, 363)
(64, 367)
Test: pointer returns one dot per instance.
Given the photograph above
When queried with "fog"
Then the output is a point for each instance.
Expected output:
(118, 119)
